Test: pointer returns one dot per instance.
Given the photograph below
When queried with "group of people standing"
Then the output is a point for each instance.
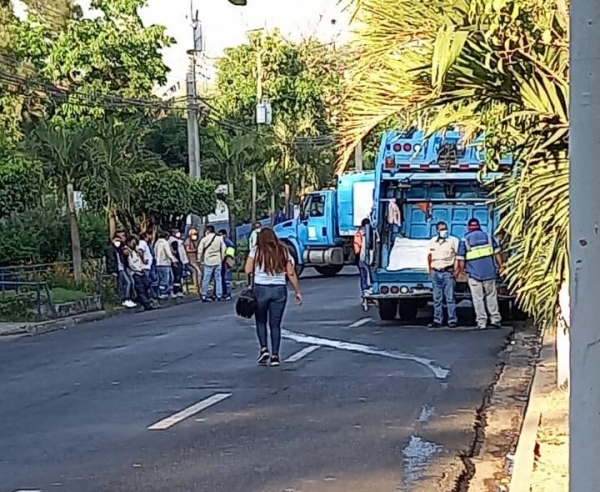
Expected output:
(477, 255)
(147, 269)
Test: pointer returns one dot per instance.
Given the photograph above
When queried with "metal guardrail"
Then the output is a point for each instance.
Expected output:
(16, 287)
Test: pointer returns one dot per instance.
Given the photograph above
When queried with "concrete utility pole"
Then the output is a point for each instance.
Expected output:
(192, 98)
(584, 475)
(259, 96)
(358, 157)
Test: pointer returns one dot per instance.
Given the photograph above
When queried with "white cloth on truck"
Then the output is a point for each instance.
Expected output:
(394, 215)
(409, 254)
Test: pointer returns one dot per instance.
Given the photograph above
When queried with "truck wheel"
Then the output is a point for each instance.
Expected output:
(329, 271)
(505, 311)
(298, 267)
(408, 310)
(388, 308)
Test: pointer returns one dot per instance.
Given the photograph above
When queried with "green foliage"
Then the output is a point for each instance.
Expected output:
(163, 198)
(20, 185)
(167, 138)
(42, 235)
(303, 82)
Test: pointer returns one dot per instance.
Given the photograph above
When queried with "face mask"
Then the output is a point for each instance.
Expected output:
(443, 234)
(194, 238)
(178, 235)
(117, 243)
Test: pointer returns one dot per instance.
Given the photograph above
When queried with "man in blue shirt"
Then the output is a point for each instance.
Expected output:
(480, 257)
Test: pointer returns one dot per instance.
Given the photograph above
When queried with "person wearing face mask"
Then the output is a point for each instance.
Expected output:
(191, 249)
(178, 250)
(115, 266)
(480, 257)
(442, 269)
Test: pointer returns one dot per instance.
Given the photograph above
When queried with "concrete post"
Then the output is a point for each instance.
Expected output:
(584, 417)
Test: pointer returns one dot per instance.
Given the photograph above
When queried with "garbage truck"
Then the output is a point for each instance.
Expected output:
(322, 234)
(419, 181)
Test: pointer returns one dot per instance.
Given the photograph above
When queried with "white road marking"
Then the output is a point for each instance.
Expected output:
(417, 454)
(28, 490)
(426, 413)
(302, 353)
(360, 322)
(438, 372)
(189, 411)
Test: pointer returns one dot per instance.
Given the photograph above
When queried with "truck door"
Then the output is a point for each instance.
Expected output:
(315, 227)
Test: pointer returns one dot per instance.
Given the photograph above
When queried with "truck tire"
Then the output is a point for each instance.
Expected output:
(408, 309)
(329, 271)
(298, 267)
(388, 309)
(505, 310)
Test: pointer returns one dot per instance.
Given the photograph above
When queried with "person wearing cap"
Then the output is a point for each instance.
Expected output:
(480, 257)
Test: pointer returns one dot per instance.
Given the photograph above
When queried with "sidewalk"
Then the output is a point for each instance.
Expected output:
(551, 469)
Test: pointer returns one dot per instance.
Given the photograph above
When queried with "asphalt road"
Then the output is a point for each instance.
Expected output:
(362, 407)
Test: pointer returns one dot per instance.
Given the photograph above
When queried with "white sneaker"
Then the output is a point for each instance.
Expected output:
(130, 304)
(180, 294)
(125, 304)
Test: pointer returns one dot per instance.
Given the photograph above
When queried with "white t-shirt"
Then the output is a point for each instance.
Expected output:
(145, 248)
(263, 278)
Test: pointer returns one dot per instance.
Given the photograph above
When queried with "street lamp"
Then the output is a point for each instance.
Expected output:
(240, 3)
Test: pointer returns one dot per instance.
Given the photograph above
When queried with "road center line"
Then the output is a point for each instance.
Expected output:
(302, 353)
(189, 411)
(438, 372)
(360, 322)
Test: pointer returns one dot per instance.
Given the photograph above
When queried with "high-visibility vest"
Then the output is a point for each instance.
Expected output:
(230, 251)
(477, 252)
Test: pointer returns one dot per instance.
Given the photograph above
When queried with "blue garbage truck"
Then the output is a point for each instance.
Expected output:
(321, 236)
(420, 181)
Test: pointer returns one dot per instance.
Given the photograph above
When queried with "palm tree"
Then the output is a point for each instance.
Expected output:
(499, 68)
(116, 154)
(232, 154)
(61, 151)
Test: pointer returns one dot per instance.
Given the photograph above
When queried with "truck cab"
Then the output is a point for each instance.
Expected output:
(418, 182)
(321, 236)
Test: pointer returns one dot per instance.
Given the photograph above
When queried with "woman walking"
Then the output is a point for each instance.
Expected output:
(270, 263)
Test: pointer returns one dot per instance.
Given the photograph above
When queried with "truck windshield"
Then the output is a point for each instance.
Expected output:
(313, 206)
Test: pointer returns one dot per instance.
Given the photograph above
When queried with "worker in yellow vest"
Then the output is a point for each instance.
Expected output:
(228, 264)
(480, 257)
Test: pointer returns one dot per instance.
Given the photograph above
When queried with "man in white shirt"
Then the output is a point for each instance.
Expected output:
(164, 262)
(211, 253)
(442, 267)
(254, 235)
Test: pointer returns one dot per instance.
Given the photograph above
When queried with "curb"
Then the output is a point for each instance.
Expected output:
(524, 458)
(43, 327)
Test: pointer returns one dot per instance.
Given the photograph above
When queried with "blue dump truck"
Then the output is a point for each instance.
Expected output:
(419, 182)
(321, 236)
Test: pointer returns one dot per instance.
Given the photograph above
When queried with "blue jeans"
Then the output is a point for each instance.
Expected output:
(270, 306)
(443, 286)
(363, 268)
(226, 274)
(165, 280)
(212, 273)
(125, 284)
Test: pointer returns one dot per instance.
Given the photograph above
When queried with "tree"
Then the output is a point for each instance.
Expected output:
(168, 139)
(163, 198)
(98, 62)
(116, 153)
(231, 156)
(19, 178)
(62, 153)
(499, 69)
(303, 82)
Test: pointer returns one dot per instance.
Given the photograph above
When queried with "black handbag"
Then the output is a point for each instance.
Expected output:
(245, 304)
